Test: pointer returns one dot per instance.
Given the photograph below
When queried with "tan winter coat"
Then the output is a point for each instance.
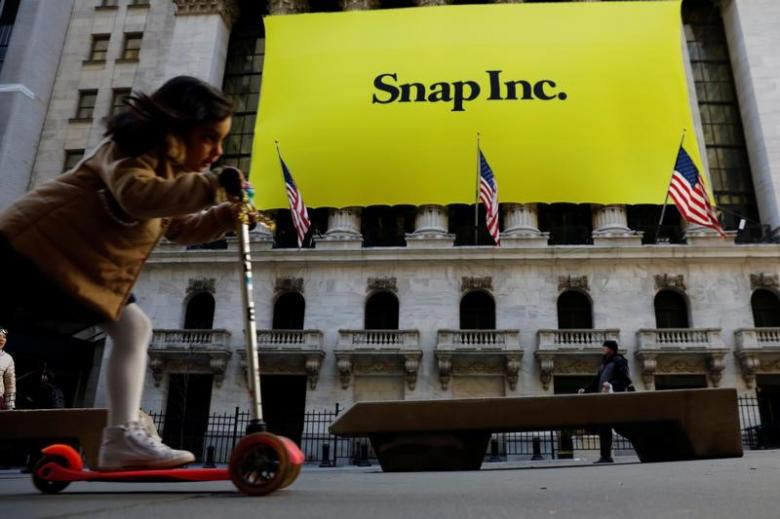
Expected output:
(7, 380)
(91, 229)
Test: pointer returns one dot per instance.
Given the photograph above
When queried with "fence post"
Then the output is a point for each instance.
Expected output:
(493, 451)
(325, 455)
(537, 447)
(209, 458)
(235, 429)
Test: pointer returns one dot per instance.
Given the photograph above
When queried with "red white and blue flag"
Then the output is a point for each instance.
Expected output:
(690, 197)
(488, 195)
(298, 212)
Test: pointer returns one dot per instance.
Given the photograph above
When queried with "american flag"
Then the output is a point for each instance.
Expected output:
(690, 197)
(298, 212)
(488, 195)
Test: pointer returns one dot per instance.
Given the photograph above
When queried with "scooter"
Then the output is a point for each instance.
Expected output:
(260, 463)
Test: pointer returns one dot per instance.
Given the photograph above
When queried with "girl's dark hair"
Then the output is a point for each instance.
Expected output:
(180, 104)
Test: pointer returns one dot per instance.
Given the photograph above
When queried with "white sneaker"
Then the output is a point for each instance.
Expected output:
(131, 447)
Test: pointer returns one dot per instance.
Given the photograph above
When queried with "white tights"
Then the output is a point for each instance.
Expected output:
(126, 367)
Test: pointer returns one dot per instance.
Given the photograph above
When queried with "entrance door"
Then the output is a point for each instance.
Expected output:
(284, 403)
(187, 411)
(768, 392)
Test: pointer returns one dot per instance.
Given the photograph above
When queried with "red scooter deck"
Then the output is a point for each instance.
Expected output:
(54, 471)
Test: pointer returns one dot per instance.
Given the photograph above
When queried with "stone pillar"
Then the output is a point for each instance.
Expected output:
(26, 84)
(287, 6)
(343, 229)
(701, 236)
(610, 227)
(200, 39)
(359, 5)
(751, 31)
(430, 228)
(521, 226)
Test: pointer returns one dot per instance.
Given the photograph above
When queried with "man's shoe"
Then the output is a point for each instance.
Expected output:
(131, 447)
(604, 459)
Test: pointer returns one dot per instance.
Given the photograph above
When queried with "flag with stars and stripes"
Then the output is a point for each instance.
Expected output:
(689, 195)
(488, 195)
(298, 212)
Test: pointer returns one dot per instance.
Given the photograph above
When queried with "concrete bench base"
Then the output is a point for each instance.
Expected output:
(84, 426)
(453, 434)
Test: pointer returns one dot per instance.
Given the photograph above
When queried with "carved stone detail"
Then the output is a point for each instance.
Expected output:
(663, 281)
(762, 280)
(289, 285)
(573, 282)
(445, 370)
(287, 6)
(344, 366)
(359, 5)
(547, 367)
(513, 364)
(202, 285)
(412, 368)
(228, 9)
(475, 283)
(382, 284)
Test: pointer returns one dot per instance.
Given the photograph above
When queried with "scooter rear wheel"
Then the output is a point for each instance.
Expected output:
(259, 464)
(39, 473)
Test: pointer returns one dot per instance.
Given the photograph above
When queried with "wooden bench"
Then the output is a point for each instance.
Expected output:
(430, 435)
(84, 426)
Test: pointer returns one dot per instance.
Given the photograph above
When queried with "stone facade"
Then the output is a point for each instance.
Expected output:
(429, 357)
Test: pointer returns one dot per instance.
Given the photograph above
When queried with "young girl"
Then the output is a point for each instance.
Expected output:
(72, 249)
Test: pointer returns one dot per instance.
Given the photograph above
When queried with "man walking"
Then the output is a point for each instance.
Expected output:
(611, 378)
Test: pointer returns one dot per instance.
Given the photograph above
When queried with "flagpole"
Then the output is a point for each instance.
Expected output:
(476, 205)
(666, 200)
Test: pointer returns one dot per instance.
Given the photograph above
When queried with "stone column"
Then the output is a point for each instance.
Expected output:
(610, 227)
(430, 228)
(359, 5)
(521, 226)
(701, 236)
(751, 31)
(343, 229)
(200, 39)
(26, 84)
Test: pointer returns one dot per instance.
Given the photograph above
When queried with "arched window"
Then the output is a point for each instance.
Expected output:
(288, 312)
(766, 308)
(671, 310)
(382, 312)
(200, 312)
(574, 311)
(477, 311)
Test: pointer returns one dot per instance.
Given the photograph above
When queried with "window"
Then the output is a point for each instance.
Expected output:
(243, 70)
(72, 157)
(568, 224)
(766, 308)
(99, 49)
(671, 310)
(132, 47)
(461, 224)
(86, 105)
(200, 312)
(111, 4)
(384, 226)
(289, 311)
(477, 311)
(138, 3)
(117, 100)
(720, 115)
(382, 312)
(574, 311)
(286, 237)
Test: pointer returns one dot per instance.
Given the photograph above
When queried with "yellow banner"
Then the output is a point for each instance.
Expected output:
(573, 102)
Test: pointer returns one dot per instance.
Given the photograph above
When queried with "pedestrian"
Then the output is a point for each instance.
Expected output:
(7, 375)
(612, 377)
(73, 248)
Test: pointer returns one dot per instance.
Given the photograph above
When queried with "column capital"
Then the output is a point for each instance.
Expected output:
(288, 6)
(359, 5)
(227, 9)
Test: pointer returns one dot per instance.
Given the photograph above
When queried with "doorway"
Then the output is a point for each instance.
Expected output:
(284, 404)
(187, 411)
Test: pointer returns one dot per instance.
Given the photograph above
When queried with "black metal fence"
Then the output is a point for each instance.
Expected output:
(328, 450)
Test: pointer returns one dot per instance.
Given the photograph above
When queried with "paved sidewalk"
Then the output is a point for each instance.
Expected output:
(743, 488)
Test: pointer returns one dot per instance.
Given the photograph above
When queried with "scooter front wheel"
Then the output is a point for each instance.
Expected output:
(40, 473)
(259, 464)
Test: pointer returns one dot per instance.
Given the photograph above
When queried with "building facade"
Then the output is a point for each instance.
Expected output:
(406, 302)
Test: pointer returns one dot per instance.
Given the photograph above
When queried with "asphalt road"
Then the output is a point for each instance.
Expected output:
(747, 487)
